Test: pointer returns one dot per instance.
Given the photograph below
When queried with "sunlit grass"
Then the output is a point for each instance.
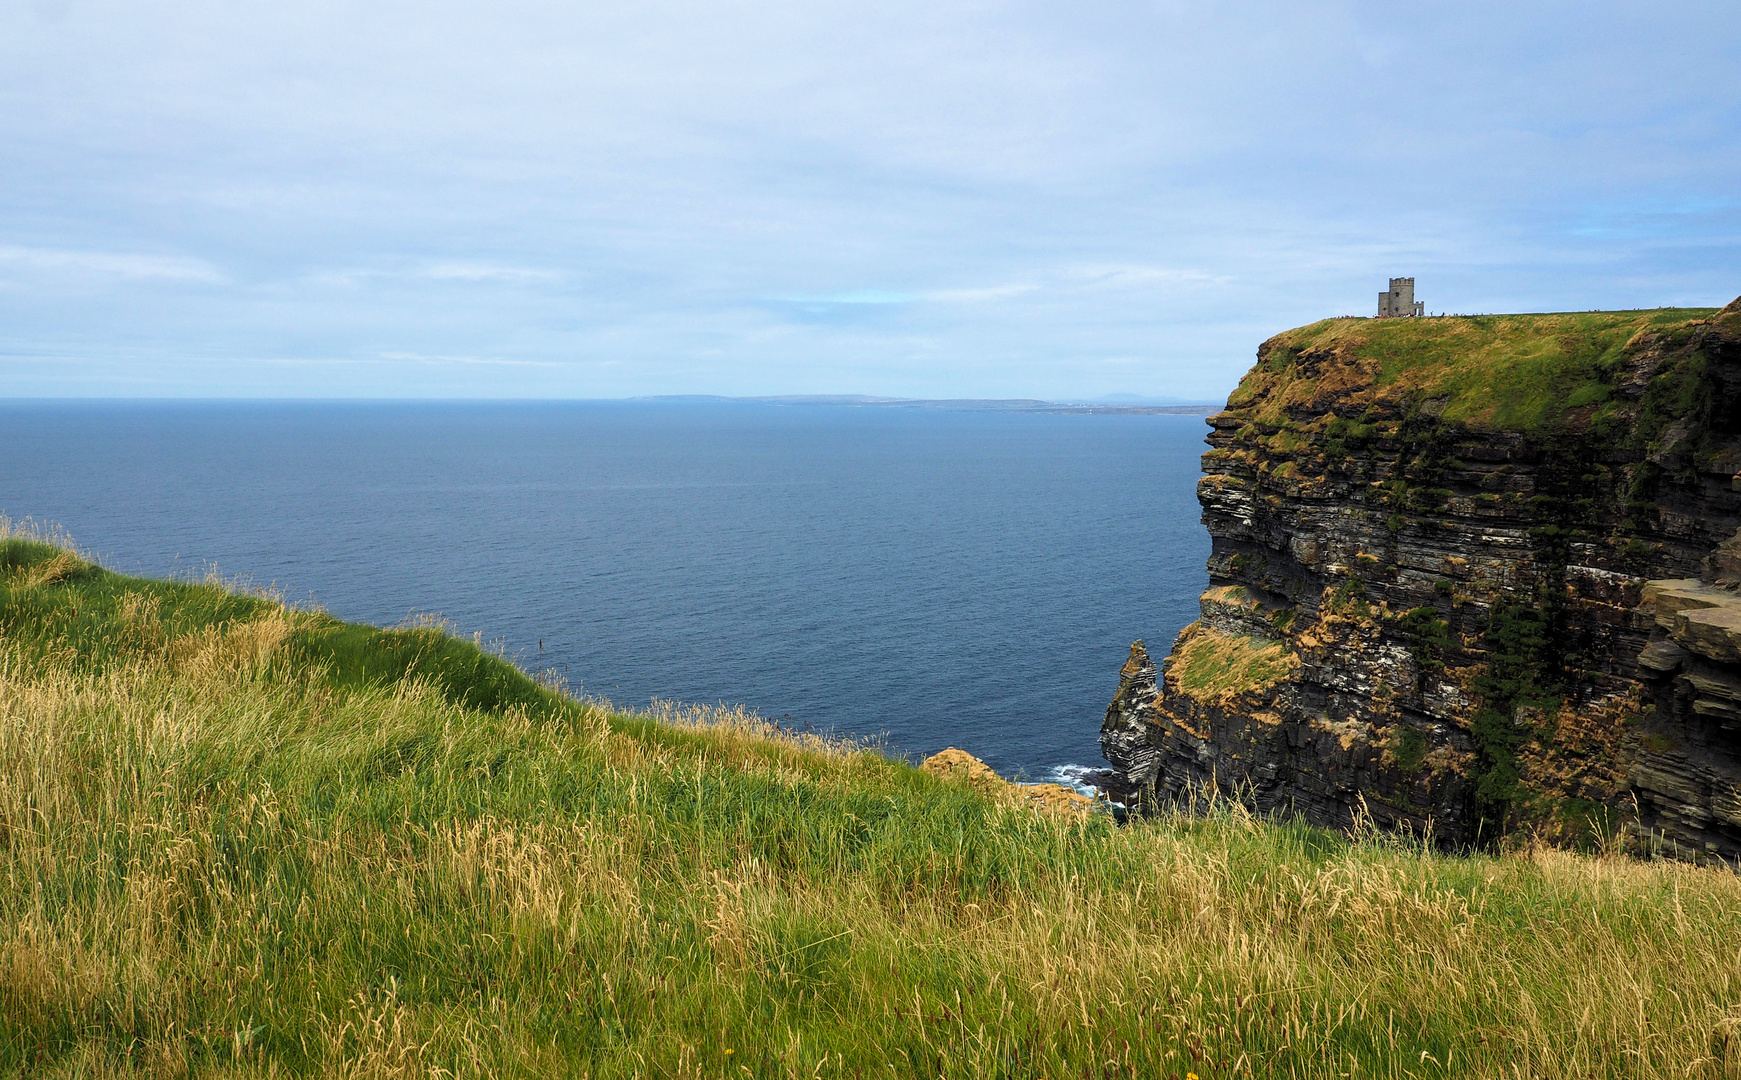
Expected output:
(1212, 666)
(1519, 373)
(225, 851)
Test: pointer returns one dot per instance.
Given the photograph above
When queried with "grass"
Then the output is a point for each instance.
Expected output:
(242, 840)
(1210, 666)
(1494, 372)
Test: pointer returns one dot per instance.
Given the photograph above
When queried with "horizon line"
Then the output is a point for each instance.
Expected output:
(1121, 401)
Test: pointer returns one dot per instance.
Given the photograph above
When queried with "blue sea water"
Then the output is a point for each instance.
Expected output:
(935, 577)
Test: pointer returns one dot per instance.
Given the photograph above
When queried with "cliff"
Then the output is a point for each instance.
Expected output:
(1470, 576)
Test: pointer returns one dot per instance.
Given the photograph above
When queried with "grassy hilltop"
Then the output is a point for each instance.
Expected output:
(241, 839)
(1522, 373)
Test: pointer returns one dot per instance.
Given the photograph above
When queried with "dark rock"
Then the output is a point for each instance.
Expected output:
(1661, 658)
(1723, 566)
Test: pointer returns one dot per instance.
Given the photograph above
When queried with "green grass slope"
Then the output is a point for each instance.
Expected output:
(1493, 372)
(242, 840)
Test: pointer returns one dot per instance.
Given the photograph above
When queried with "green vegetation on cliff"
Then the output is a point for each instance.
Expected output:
(238, 839)
(1211, 666)
(1520, 373)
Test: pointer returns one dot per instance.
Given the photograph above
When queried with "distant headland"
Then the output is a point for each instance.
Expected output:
(1120, 404)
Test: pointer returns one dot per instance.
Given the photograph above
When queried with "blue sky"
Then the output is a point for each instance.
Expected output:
(527, 199)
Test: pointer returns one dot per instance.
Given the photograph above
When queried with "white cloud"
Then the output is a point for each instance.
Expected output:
(496, 361)
(849, 296)
(974, 296)
(350, 278)
(895, 296)
(1137, 275)
(107, 264)
(471, 271)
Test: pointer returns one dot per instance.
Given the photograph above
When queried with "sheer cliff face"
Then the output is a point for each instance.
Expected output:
(1469, 576)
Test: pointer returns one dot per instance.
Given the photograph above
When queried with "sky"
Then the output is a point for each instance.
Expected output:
(530, 199)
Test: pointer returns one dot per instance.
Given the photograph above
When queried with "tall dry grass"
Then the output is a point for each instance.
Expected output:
(217, 862)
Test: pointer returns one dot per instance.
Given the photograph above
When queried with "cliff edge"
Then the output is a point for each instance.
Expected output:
(1472, 575)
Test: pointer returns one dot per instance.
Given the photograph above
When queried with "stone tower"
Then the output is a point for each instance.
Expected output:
(1399, 300)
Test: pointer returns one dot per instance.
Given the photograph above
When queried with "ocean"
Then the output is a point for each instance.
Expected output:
(926, 577)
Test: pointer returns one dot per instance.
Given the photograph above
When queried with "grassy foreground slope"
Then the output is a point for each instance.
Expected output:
(237, 839)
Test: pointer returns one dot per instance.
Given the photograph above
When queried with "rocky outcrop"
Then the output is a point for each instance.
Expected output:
(1688, 772)
(1470, 577)
(961, 766)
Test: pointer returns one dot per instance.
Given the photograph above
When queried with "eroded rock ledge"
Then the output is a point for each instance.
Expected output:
(1475, 575)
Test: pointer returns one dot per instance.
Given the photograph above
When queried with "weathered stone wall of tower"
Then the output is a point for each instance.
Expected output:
(1399, 299)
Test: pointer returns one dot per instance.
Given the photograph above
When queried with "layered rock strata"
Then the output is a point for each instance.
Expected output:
(1468, 577)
